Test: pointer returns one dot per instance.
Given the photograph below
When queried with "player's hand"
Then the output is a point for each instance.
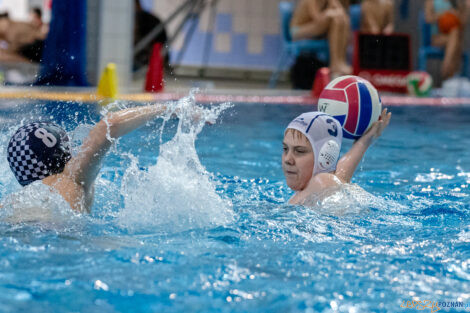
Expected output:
(375, 131)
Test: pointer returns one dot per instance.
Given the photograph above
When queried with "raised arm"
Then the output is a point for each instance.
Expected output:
(84, 167)
(349, 162)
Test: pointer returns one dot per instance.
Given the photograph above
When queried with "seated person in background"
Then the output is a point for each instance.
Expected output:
(448, 19)
(36, 21)
(16, 35)
(41, 152)
(33, 51)
(345, 4)
(311, 147)
(377, 16)
(324, 18)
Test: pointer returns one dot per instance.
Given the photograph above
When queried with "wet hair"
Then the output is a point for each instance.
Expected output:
(295, 133)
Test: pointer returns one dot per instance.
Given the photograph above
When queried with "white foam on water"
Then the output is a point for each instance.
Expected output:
(347, 199)
(36, 203)
(6, 174)
(177, 193)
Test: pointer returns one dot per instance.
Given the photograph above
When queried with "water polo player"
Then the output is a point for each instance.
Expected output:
(41, 151)
(311, 147)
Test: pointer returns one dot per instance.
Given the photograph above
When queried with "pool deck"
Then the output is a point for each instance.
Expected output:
(210, 91)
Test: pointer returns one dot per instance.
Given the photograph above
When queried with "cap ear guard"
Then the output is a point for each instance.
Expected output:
(328, 155)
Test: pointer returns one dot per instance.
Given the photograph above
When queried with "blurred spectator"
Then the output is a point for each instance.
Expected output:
(448, 18)
(345, 4)
(36, 21)
(33, 51)
(324, 19)
(22, 41)
(144, 23)
(377, 16)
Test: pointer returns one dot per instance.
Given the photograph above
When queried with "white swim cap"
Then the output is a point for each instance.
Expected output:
(325, 135)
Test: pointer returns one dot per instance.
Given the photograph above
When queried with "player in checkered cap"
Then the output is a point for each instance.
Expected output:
(311, 147)
(38, 150)
(41, 151)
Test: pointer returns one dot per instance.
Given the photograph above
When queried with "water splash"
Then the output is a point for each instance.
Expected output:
(177, 192)
(37, 203)
(348, 199)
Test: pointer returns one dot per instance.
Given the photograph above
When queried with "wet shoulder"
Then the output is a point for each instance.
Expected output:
(73, 193)
(36, 202)
(326, 180)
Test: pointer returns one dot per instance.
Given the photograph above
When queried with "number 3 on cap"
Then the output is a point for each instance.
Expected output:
(47, 138)
(334, 130)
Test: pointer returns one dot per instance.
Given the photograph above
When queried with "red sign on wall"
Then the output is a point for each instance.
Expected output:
(384, 60)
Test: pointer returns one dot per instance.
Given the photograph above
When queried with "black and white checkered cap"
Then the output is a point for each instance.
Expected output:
(31, 159)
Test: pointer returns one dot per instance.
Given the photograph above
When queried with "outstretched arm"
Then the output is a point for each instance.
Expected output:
(349, 162)
(84, 167)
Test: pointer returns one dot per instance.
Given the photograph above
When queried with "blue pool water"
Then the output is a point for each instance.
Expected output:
(211, 232)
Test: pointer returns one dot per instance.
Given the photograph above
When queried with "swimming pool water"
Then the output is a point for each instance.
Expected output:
(242, 248)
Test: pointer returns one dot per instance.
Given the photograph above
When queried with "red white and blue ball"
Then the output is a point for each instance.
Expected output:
(354, 102)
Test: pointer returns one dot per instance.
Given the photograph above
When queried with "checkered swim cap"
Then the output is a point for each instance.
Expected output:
(38, 150)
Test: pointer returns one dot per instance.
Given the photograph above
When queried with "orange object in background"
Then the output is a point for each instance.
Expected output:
(447, 21)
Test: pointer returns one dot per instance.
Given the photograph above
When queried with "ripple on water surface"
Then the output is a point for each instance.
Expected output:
(205, 227)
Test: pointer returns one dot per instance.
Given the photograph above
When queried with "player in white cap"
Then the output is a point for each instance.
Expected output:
(311, 147)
